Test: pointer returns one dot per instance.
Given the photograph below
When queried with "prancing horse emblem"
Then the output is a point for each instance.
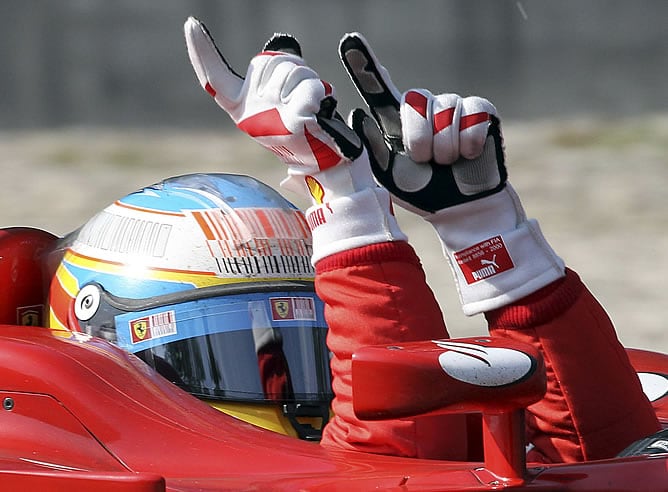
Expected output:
(282, 308)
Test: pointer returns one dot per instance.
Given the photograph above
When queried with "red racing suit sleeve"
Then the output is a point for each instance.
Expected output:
(374, 295)
(594, 406)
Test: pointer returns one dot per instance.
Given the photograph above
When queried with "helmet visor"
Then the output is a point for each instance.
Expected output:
(232, 344)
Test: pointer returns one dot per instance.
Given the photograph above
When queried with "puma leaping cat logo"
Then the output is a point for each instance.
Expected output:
(490, 262)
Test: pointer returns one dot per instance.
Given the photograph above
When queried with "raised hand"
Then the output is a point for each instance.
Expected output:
(285, 106)
(430, 151)
(281, 102)
(442, 157)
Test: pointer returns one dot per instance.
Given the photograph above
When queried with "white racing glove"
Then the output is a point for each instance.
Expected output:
(441, 156)
(285, 106)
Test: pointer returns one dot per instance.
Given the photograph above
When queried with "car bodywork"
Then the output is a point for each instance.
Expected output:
(79, 413)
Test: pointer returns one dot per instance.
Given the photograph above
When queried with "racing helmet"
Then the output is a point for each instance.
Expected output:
(207, 278)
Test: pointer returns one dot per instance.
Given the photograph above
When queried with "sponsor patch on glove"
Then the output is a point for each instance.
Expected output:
(484, 260)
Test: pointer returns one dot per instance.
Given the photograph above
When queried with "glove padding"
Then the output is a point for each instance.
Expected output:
(430, 151)
(442, 158)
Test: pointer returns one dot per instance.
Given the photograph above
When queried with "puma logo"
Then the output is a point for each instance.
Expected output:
(491, 262)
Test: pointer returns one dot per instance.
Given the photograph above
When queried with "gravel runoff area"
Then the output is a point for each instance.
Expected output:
(598, 186)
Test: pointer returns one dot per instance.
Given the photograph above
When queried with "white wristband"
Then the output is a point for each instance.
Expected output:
(497, 256)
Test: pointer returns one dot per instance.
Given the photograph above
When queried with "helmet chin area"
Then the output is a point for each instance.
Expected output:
(302, 420)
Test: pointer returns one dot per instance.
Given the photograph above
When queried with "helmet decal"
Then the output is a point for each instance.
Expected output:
(292, 308)
(153, 326)
(116, 276)
(64, 288)
(87, 302)
(130, 235)
(252, 241)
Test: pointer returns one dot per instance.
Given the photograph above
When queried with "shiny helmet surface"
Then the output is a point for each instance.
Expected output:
(207, 278)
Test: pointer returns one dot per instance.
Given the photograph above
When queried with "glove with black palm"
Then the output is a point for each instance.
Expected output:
(284, 105)
(442, 157)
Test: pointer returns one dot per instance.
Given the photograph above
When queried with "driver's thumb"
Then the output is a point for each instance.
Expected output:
(372, 138)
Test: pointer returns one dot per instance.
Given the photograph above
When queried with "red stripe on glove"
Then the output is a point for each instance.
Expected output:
(443, 119)
(324, 154)
(418, 102)
(472, 120)
(209, 88)
(265, 124)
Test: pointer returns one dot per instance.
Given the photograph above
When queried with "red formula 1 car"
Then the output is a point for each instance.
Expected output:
(78, 413)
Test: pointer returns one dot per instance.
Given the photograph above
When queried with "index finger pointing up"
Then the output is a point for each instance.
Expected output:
(373, 82)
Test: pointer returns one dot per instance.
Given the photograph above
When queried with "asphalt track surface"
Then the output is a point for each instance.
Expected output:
(598, 188)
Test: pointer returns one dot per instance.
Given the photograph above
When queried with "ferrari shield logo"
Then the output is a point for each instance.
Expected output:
(292, 308)
(152, 326)
(139, 329)
(29, 315)
(281, 308)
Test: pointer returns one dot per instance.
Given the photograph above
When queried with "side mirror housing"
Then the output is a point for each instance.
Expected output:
(496, 377)
(446, 376)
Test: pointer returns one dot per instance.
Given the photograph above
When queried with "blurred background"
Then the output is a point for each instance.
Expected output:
(98, 98)
(93, 62)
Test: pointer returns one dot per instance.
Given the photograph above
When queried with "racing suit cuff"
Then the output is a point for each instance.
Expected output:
(540, 307)
(496, 254)
(359, 219)
(373, 254)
